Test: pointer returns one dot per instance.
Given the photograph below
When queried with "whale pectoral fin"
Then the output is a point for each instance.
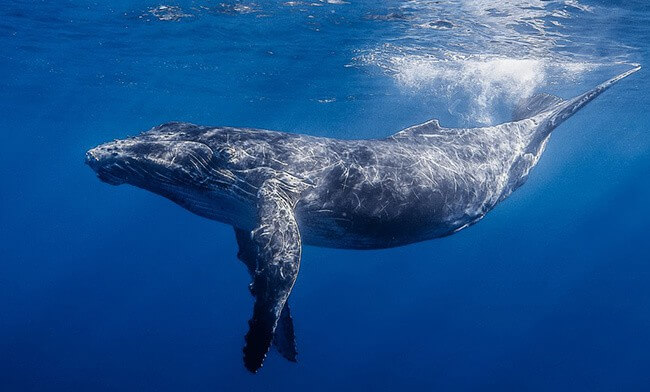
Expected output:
(284, 338)
(247, 249)
(277, 259)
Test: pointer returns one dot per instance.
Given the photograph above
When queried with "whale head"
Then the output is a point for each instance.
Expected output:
(175, 161)
(155, 160)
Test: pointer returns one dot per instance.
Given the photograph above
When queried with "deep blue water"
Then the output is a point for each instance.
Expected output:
(115, 289)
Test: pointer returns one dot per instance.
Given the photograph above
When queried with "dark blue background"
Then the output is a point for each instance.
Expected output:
(113, 288)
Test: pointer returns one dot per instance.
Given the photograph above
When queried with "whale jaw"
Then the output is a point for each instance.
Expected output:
(151, 160)
(107, 170)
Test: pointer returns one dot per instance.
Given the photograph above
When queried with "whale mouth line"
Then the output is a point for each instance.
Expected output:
(109, 178)
(112, 173)
(118, 170)
(106, 172)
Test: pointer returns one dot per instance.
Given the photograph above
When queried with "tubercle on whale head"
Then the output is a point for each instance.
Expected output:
(151, 160)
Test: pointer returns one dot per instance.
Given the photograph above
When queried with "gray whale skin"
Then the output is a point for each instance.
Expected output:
(281, 189)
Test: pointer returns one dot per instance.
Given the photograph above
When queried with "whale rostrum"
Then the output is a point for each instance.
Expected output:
(280, 189)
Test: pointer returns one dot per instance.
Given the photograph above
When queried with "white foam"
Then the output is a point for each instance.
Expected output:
(486, 80)
(491, 53)
(168, 13)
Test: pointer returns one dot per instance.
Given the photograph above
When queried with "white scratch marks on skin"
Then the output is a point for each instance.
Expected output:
(430, 179)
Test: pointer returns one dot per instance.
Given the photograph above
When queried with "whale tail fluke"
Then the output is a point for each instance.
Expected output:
(558, 109)
(569, 107)
(535, 105)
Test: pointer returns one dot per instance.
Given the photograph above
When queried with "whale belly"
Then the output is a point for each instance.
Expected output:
(371, 220)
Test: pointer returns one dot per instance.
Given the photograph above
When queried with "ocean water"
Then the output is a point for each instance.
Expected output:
(108, 288)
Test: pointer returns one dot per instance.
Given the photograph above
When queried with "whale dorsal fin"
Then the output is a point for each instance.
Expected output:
(276, 247)
(535, 105)
(430, 127)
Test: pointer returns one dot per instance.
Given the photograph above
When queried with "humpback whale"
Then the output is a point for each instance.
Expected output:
(279, 190)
